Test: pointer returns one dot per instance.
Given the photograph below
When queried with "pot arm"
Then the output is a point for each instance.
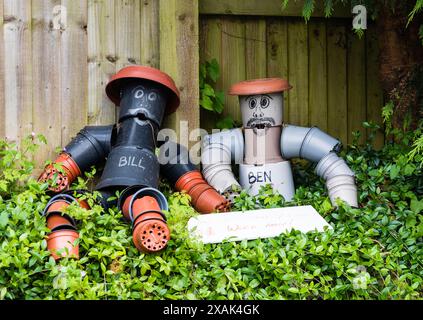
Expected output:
(317, 146)
(218, 152)
(183, 175)
(90, 147)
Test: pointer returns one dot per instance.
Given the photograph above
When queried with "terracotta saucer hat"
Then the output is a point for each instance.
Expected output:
(143, 72)
(259, 86)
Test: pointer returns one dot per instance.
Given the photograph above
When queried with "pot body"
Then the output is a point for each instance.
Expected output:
(130, 165)
(278, 174)
(262, 145)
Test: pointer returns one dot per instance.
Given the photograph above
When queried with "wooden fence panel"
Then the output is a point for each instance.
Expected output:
(17, 68)
(46, 85)
(298, 73)
(337, 81)
(326, 64)
(2, 104)
(277, 53)
(318, 75)
(101, 60)
(74, 69)
(53, 78)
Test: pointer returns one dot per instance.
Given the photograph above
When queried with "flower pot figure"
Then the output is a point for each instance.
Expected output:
(145, 96)
(264, 145)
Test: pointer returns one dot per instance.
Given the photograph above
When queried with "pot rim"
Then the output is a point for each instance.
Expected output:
(147, 73)
(259, 86)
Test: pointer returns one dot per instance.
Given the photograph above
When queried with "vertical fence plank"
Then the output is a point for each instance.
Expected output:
(255, 49)
(150, 40)
(127, 32)
(127, 19)
(46, 76)
(374, 89)
(298, 72)
(233, 62)
(73, 56)
(179, 57)
(210, 47)
(318, 74)
(356, 86)
(277, 54)
(2, 104)
(101, 60)
(337, 81)
(17, 69)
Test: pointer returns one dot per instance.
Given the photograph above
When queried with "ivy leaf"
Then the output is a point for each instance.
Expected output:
(208, 90)
(213, 70)
(225, 123)
(4, 219)
(206, 103)
(395, 170)
(416, 206)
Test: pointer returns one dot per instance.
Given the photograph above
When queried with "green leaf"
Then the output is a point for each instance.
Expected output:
(213, 70)
(4, 219)
(416, 206)
(206, 103)
(395, 170)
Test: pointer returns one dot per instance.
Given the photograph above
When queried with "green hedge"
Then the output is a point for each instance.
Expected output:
(373, 252)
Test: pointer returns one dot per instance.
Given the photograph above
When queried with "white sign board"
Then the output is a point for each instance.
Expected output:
(254, 224)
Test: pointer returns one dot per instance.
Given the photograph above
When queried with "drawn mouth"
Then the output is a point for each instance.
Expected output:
(261, 123)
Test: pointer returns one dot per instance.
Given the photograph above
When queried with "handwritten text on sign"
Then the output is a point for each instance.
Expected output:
(254, 224)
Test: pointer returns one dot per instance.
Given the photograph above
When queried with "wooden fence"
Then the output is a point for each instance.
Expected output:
(333, 72)
(56, 57)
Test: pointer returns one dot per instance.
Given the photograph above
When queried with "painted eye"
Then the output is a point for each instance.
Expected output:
(252, 104)
(139, 93)
(264, 102)
(152, 96)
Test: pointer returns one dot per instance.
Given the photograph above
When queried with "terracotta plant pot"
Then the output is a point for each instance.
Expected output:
(204, 197)
(63, 179)
(150, 233)
(120, 79)
(62, 239)
(56, 221)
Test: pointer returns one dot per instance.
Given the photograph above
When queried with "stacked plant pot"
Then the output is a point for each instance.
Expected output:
(61, 241)
(261, 102)
(178, 169)
(144, 95)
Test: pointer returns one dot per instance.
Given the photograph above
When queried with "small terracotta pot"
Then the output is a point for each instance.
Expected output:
(189, 180)
(143, 204)
(56, 221)
(61, 239)
(118, 81)
(150, 233)
(125, 208)
(259, 86)
(205, 198)
(63, 180)
(57, 206)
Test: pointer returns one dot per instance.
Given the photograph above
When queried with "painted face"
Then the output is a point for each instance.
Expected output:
(262, 110)
(146, 101)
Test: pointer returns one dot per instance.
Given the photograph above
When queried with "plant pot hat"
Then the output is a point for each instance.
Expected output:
(259, 86)
(118, 80)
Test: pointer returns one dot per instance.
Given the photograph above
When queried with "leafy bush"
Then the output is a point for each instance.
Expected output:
(373, 252)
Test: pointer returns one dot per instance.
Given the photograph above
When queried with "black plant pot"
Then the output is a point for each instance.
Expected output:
(137, 133)
(144, 99)
(174, 161)
(90, 146)
(130, 165)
